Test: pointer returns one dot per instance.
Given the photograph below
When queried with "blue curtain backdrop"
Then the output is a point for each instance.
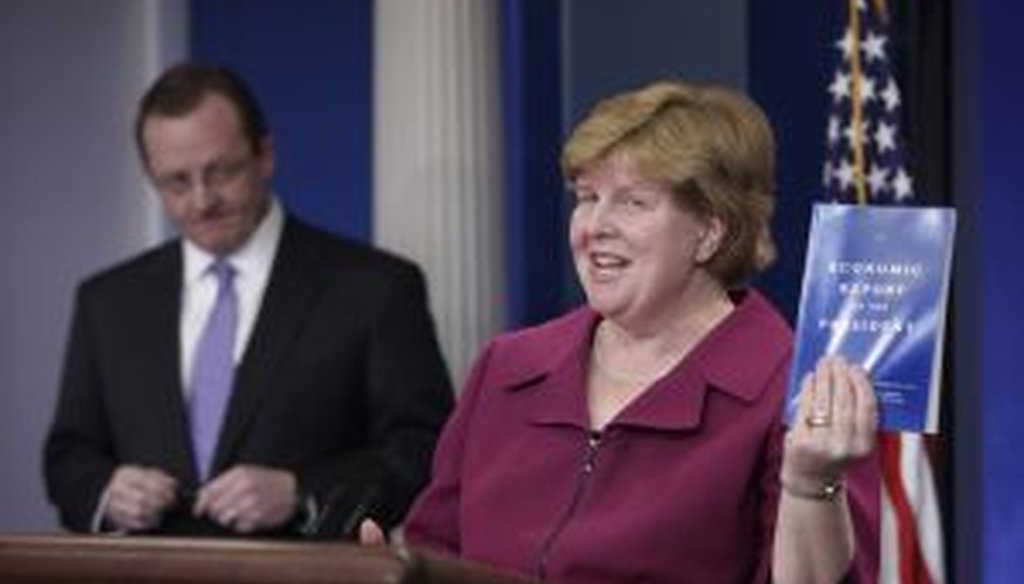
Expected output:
(789, 70)
(310, 63)
(1000, 69)
(536, 243)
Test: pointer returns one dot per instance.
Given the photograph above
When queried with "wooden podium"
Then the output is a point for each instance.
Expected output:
(86, 559)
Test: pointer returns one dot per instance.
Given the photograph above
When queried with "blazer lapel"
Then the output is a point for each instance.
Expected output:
(286, 302)
(159, 318)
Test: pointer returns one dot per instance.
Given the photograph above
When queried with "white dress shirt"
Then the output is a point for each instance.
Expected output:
(252, 263)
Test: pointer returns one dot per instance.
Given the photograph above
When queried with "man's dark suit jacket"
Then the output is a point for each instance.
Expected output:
(342, 382)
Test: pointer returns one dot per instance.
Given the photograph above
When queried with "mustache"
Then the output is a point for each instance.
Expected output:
(213, 212)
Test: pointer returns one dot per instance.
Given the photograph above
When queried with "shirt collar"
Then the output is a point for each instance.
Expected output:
(752, 329)
(735, 358)
(746, 347)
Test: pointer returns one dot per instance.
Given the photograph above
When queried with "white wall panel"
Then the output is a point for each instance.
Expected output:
(437, 159)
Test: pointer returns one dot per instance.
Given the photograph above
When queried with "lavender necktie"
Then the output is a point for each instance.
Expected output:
(213, 370)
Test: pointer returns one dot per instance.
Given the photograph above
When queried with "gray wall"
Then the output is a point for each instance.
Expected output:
(71, 198)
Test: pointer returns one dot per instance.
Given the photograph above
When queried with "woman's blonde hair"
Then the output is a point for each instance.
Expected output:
(711, 145)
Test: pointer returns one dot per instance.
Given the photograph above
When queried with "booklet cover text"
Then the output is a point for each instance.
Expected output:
(875, 288)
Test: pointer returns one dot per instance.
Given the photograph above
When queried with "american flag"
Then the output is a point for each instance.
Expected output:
(866, 163)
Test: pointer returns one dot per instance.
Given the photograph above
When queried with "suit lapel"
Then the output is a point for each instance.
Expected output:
(159, 319)
(286, 302)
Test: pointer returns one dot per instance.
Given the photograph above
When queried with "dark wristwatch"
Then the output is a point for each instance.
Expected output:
(828, 490)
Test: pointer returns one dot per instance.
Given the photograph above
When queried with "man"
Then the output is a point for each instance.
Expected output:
(257, 375)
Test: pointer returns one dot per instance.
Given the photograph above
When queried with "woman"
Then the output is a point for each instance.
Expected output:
(639, 439)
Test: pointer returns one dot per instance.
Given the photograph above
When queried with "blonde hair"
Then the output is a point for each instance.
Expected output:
(713, 146)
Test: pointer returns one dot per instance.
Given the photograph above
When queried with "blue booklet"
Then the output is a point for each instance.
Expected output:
(875, 289)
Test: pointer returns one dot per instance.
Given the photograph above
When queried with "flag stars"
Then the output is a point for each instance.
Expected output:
(902, 185)
(874, 47)
(844, 174)
(885, 137)
(845, 44)
(865, 144)
(878, 179)
(840, 87)
(891, 95)
(833, 130)
(854, 138)
(867, 89)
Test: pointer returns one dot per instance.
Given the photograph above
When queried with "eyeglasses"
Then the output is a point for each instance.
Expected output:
(214, 175)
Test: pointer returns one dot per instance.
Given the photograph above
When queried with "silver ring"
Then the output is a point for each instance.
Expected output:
(818, 421)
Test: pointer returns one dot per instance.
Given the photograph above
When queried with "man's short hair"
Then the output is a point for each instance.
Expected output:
(181, 88)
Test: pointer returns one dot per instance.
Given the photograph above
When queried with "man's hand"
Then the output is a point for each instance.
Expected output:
(249, 498)
(137, 497)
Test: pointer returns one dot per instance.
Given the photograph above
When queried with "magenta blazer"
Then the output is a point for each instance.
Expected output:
(682, 486)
